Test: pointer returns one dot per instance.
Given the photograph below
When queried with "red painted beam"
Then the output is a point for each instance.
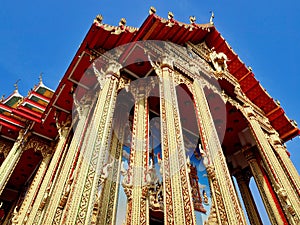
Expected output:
(26, 116)
(30, 112)
(5, 107)
(11, 120)
(9, 126)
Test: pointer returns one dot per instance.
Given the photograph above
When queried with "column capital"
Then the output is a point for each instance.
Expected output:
(249, 154)
(249, 112)
(164, 61)
(63, 127)
(141, 88)
(112, 71)
(242, 175)
(83, 105)
(24, 134)
(167, 61)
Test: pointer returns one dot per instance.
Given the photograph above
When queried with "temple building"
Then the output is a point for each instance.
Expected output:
(161, 124)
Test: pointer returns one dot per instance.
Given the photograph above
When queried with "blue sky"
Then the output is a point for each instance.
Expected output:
(43, 36)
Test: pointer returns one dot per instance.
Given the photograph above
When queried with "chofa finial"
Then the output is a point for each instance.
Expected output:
(211, 18)
(99, 18)
(1, 100)
(41, 78)
(192, 19)
(16, 85)
(152, 10)
(170, 15)
(122, 22)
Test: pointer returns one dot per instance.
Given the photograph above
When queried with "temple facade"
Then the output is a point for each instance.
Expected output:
(161, 124)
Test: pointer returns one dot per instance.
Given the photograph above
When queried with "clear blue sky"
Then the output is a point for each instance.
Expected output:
(43, 36)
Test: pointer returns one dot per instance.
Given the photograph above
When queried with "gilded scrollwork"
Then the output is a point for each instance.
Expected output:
(39, 145)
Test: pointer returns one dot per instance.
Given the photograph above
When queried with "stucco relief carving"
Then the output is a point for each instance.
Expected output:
(219, 61)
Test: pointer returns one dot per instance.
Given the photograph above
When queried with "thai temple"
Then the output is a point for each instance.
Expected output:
(161, 124)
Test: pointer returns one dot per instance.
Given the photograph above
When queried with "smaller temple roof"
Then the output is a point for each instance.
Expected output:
(16, 110)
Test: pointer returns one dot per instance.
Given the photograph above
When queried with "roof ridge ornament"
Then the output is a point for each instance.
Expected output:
(16, 85)
(2, 98)
(98, 19)
(170, 15)
(41, 78)
(152, 10)
(211, 18)
(122, 22)
(192, 19)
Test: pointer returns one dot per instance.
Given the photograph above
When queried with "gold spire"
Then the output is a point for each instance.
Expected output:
(16, 85)
(211, 18)
(41, 78)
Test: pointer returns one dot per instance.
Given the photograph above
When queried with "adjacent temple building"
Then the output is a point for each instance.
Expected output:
(162, 124)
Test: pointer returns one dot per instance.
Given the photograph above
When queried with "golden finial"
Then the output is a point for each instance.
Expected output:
(122, 22)
(41, 78)
(2, 98)
(192, 19)
(152, 10)
(211, 18)
(170, 15)
(99, 18)
(16, 85)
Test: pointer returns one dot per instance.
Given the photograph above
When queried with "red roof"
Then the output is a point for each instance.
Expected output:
(102, 37)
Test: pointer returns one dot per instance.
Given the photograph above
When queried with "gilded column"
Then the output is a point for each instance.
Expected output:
(266, 195)
(45, 173)
(135, 183)
(286, 162)
(232, 212)
(106, 203)
(10, 162)
(58, 180)
(288, 197)
(243, 183)
(94, 151)
(34, 189)
(178, 204)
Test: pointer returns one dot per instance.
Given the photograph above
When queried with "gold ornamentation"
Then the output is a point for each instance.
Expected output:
(211, 18)
(152, 10)
(273, 168)
(5, 147)
(38, 145)
(98, 19)
(178, 206)
(219, 61)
